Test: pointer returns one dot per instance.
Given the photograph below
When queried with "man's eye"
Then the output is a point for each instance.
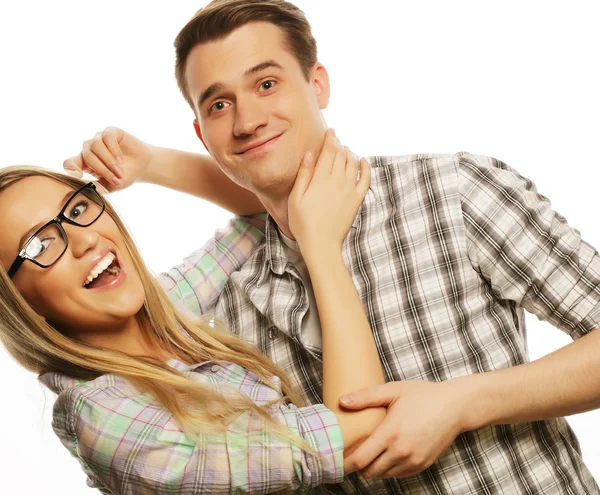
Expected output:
(218, 106)
(267, 85)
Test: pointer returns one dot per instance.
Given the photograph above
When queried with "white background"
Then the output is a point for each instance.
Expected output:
(515, 80)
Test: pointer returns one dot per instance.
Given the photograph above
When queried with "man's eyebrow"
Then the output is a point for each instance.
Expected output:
(267, 64)
(208, 92)
(218, 86)
(30, 232)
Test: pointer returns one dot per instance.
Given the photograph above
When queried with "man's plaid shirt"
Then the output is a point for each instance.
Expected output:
(445, 252)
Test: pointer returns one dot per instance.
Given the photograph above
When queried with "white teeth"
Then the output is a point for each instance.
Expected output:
(100, 267)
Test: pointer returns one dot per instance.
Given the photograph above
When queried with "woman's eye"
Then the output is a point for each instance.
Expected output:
(37, 246)
(218, 106)
(77, 211)
(267, 85)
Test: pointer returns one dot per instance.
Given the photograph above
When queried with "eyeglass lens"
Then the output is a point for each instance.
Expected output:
(49, 244)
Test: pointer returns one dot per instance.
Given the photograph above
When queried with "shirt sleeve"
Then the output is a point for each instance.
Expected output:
(525, 250)
(132, 446)
(196, 283)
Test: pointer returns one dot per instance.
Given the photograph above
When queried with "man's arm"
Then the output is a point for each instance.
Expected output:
(424, 418)
(525, 253)
(119, 159)
(562, 383)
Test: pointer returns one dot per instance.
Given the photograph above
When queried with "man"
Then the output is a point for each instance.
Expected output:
(446, 252)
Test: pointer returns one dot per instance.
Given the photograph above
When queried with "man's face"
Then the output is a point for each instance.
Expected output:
(256, 111)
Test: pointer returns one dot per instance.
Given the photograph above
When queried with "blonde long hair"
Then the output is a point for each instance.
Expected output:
(41, 348)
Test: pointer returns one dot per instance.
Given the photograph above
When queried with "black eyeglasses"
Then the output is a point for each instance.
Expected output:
(49, 243)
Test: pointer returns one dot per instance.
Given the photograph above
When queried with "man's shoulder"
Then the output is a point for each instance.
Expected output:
(430, 159)
(389, 169)
(404, 172)
(380, 161)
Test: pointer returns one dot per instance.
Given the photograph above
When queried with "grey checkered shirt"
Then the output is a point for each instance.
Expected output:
(446, 252)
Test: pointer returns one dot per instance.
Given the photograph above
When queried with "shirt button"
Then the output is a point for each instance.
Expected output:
(272, 333)
(214, 368)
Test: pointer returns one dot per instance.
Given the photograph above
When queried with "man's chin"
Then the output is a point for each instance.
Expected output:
(273, 187)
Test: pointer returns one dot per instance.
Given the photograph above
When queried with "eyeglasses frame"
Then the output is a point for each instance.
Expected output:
(58, 220)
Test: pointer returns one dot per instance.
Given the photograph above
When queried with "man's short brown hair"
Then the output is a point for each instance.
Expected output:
(221, 17)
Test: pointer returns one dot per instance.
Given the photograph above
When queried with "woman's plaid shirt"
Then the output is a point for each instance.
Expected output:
(128, 444)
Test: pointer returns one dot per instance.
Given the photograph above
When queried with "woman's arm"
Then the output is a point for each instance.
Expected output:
(119, 159)
(323, 206)
(127, 443)
(197, 282)
(199, 175)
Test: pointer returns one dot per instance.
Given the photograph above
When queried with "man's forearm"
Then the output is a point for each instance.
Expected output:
(562, 383)
(200, 176)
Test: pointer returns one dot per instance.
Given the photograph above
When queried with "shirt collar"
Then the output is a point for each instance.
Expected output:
(59, 382)
(274, 251)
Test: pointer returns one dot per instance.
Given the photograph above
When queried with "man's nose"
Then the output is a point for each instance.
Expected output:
(81, 239)
(249, 116)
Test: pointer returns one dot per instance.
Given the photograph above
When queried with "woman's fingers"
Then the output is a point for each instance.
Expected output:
(94, 157)
(331, 146)
(362, 186)
(304, 176)
(107, 158)
(100, 157)
(111, 138)
(74, 166)
(351, 164)
(339, 163)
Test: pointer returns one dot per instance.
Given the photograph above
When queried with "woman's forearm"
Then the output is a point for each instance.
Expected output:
(199, 175)
(350, 357)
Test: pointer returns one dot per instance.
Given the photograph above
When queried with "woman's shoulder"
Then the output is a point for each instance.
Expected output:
(109, 389)
(60, 383)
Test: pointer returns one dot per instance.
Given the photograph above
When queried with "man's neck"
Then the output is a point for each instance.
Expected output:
(278, 209)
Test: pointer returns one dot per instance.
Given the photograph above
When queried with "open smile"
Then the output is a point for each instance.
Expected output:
(107, 273)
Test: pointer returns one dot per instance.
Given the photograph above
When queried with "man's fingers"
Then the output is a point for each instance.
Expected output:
(377, 396)
(380, 465)
(366, 453)
(399, 472)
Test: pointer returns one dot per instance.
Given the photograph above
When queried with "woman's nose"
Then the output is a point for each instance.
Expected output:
(81, 239)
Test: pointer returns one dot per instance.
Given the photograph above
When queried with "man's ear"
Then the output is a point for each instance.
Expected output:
(199, 133)
(320, 82)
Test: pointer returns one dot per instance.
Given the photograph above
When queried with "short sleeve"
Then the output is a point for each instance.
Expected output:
(132, 446)
(525, 250)
(197, 282)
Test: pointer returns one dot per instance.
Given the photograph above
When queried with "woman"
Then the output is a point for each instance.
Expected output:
(150, 401)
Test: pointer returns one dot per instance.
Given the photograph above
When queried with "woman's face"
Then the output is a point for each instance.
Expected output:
(60, 293)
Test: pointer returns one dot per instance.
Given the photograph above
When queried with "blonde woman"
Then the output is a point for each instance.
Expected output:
(151, 399)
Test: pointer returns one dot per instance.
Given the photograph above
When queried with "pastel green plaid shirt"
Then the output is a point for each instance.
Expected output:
(129, 444)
